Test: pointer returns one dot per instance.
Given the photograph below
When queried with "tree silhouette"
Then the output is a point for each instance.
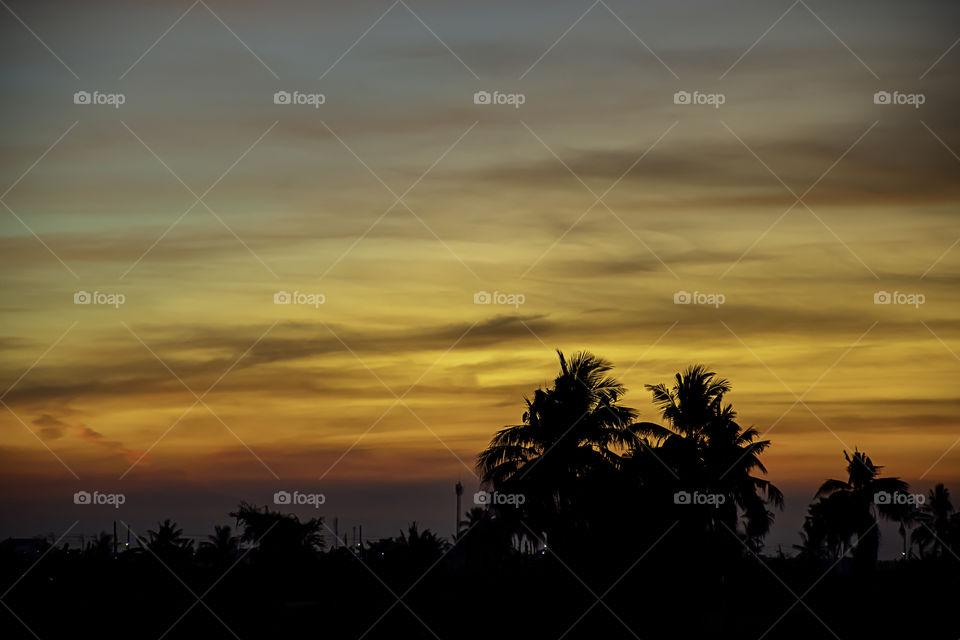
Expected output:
(570, 437)
(277, 535)
(476, 516)
(404, 559)
(490, 539)
(827, 529)
(853, 506)
(708, 452)
(221, 547)
(423, 544)
(938, 523)
(168, 541)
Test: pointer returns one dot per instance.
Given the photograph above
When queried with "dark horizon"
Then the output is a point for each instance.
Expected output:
(377, 507)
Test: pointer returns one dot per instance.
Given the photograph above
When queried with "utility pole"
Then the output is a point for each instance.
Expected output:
(114, 538)
(336, 532)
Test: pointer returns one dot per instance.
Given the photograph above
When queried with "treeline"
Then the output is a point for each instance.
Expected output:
(580, 468)
(591, 523)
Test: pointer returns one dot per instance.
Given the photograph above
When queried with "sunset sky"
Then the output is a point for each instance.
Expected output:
(399, 198)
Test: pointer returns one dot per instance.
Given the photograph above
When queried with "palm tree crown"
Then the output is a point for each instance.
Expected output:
(570, 434)
(852, 505)
(706, 450)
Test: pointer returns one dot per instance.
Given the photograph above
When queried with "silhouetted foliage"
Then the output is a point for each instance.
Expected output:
(938, 533)
(278, 536)
(220, 548)
(851, 508)
(579, 455)
(568, 443)
(607, 542)
(168, 543)
(706, 452)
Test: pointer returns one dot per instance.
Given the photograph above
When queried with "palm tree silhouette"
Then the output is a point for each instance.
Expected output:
(490, 539)
(423, 544)
(812, 547)
(853, 505)
(570, 435)
(168, 540)
(708, 451)
(826, 532)
(278, 535)
(221, 546)
(938, 523)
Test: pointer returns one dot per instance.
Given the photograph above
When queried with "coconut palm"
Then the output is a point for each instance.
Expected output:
(827, 530)
(856, 503)
(487, 537)
(691, 404)
(167, 540)
(423, 544)
(221, 546)
(570, 436)
(706, 450)
(277, 535)
(938, 523)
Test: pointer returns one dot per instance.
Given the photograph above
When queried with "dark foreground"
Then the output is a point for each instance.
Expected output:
(384, 593)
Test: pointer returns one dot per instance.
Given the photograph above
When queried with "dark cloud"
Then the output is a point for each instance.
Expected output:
(51, 428)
